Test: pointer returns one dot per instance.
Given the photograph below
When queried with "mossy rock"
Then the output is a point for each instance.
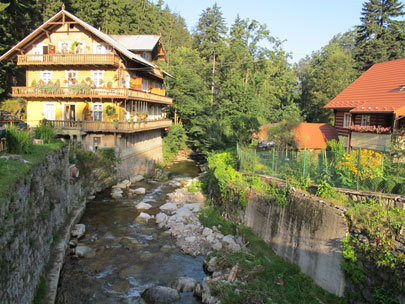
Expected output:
(389, 185)
(399, 189)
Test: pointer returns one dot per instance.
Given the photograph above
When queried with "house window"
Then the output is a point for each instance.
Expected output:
(145, 85)
(98, 78)
(64, 47)
(46, 76)
(365, 120)
(98, 111)
(147, 56)
(71, 77)
(96, 142)
(49, 111)
(78, 47)
(346, 120)
(99, 48)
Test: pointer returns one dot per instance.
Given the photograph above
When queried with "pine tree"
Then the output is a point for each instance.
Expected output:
(209, 38)
(381, 36)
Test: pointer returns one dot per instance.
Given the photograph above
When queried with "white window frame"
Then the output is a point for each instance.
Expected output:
(145, 85)
(95, 77)
(69, 81)
(63, 109)
(44, 76)
(101, 48)
(365, 120)
(346, 120)
(81, 51)
(53, 104)
(69, 44)
(93, 110)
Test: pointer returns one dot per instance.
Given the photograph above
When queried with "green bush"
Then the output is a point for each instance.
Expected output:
(107, 153)
(45, 132)
(173, 142)
(18, 141)
(399, 189)
(389, 185)
(376, 184)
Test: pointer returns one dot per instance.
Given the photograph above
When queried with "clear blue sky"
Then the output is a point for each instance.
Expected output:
(306, 25)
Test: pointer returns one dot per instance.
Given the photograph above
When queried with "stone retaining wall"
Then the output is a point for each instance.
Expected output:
(307, 232)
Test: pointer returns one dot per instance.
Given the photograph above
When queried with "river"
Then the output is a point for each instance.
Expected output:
(129, 256)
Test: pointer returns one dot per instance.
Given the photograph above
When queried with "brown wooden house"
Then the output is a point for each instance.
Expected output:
(369, 109)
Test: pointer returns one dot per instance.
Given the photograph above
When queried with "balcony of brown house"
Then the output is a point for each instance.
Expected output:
(88, 92)
(69, 59)
(108, 126)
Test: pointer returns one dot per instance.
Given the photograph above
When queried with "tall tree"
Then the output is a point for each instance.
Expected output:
(323, 76)
(381, 35)
(209, 38)
(48, 8)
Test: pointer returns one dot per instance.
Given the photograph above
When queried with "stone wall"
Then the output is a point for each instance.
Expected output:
(140, 156)
(307, 232)
(30, 219)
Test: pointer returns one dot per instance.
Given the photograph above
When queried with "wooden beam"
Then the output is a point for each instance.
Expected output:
(61, 22)
(47, 34)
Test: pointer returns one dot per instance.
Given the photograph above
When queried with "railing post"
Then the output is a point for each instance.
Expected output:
(254, 161)
(272, 163)
(305, 160)
(358, 169)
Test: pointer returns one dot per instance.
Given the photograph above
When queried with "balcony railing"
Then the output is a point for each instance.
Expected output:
(68, 59)
(110, 126)
(89, 92)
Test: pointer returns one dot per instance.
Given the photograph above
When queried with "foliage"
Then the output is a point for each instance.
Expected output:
(325, 190)
(16, 107)
(174, 142)
(282, 134)
(80, 88)
(45, 131)
(12, 171)
(195, 186)
(211, 217)
(107, 153)
(323, 76)
(88, 161)
(48, 88)
(380, 37)
(18, 141)
(375, 252)
(40, 292)
(370, 129)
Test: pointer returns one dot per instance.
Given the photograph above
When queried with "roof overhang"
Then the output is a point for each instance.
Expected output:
(63, 14)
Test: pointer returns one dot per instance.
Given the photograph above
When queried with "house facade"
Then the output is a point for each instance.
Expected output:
(372, 107)
(100, 90)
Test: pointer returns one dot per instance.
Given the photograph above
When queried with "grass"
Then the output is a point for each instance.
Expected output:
(12, 171)
(269, 278)
(40, 292)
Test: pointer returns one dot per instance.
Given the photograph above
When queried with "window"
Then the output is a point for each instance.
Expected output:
(64, 47)
(145, 86)
(98, 78)
(97, 111)
(100, 48)
(71, 77)
(78, 47)
(46, 76)
(49, 111)
(147, 56)
(365, 120)
(346, 120)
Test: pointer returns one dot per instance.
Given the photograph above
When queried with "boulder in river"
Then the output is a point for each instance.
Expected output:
(161, 218)
(168, 207)
(143, 217)
(140, 191)
(78, 231)
(143, 206)
(136, 178)
(83, 251)
(184, 284)
(160, 295)
(116, 195)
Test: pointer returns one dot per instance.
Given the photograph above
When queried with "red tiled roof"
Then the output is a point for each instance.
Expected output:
(314, 135)
(378, 90)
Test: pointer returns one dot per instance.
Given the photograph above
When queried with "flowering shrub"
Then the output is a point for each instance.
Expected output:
(370, 165)
(371, 129)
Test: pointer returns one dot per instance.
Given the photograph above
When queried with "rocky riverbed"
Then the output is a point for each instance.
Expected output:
(142, 242)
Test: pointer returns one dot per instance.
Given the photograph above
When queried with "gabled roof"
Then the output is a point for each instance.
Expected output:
(137, 42)
(378, 90)
(62, 14)
(314, 135)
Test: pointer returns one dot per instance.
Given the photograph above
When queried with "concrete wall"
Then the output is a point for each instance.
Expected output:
(306, 232)
(142, 150)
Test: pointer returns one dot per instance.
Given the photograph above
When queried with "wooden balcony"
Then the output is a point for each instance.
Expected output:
(110, 126)
(88, 92)
(69, 59)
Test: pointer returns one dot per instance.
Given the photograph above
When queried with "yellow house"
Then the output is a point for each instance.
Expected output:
(102, 90)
